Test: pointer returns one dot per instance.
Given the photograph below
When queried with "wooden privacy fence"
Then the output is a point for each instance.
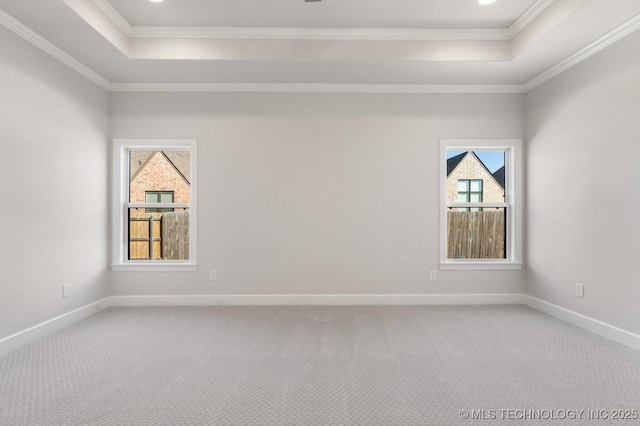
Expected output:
(175, 235)
(159, 235)
(476, 235)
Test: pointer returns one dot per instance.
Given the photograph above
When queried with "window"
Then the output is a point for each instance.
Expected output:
(154, 204)
(481, 204)
(469, 191)
(158, 197)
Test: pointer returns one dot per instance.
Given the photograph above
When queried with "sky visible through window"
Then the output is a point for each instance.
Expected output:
(493, 160)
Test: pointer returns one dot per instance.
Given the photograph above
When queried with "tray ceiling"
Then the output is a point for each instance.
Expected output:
(331, 45)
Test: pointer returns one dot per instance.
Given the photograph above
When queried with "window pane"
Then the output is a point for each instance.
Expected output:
(167, 174)
(158, 235)
(476, 186)
(493, 160)
(475, 197)
(151, 197)
(463, 186)
(166, 197)
(476, 234)
(159, 197)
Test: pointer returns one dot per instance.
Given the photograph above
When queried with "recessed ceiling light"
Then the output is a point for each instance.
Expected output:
(484, 2)
(156, 1)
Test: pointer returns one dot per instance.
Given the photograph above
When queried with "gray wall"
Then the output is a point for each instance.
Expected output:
(583, 193)
(317, 193)
(53, 174)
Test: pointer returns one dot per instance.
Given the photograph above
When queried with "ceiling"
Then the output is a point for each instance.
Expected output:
(329, 45)
(327, 13)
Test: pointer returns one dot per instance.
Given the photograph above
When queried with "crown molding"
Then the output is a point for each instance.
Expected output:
(116, 17)
(37, 40)
(382, 34)
(34, 38)
(316, 88)
(527, 17)
(608, 39)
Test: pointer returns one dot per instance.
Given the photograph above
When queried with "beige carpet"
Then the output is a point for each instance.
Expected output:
(319, 366)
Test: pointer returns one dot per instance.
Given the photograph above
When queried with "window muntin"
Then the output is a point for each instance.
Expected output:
(481, 204)
(159, 197)
(469, 191)
(154, 204)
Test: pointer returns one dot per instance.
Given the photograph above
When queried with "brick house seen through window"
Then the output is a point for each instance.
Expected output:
(158, 177)
(475, 231)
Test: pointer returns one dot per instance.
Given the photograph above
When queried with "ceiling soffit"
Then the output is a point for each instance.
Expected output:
(395, 44)
(315, 32)
(536, 41)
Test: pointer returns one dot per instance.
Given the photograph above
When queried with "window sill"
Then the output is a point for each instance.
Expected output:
(479, 265)
(154, 267)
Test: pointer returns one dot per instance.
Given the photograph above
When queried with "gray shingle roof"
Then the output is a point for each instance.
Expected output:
(181, 160)
(498, 175)
(453, 162)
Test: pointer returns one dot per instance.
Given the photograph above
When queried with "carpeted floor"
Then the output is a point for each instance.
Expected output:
(400, 365)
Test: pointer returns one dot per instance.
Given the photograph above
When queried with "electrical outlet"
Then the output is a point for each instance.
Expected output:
(66, 290)
(432, 275)
(213, 275)
(579, 290)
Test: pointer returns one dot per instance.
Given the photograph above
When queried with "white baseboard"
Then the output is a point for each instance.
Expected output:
(608, 331)
(600, 328)
(31, 334)
(318, 299)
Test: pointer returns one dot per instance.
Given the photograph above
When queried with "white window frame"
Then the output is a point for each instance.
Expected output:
(513, 197)
(121, 204)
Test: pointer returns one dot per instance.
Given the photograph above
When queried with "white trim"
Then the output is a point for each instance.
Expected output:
(293, 33)
(477, 204)
(471, 265)
(158, 205)
(24, 337)
(616, 34)
(608, 331)
(302, 33)
(317, 88)
(37, 40)
(119, 204)
(31, 334)
(112, 13)
(317, 299)
(608, 39)
(600, 328)
(513, 199)
(157, 266)
(527, 17)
